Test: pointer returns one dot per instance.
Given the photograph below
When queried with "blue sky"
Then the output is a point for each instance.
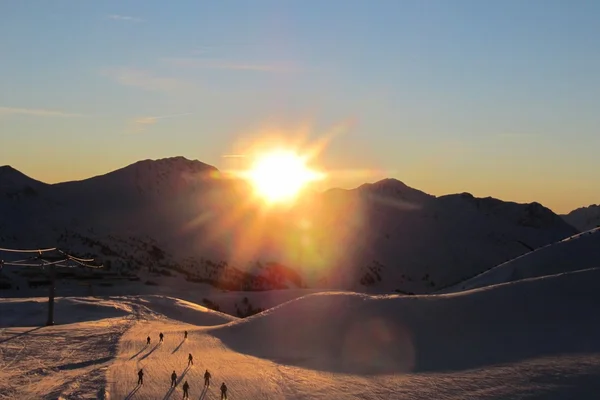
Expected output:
(495, 98)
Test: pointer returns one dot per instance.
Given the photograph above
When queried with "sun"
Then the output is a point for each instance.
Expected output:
(280, 175)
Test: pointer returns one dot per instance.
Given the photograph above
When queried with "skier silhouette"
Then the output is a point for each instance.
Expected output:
(223, 391)
(186, 387)
(173, 379)
(190, 360)
(206, 378)
(148, 340)
(161, 336)
(185, 334)
(141, 377)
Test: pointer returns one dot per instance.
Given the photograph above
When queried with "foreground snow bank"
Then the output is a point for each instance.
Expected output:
(363, 334)
(34, 311)
(58, 362)
(68, 310)
(578, 252)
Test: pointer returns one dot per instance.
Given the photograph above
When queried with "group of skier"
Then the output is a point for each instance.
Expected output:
(186, 386)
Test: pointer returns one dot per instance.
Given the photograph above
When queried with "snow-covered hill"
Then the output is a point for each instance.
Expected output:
(181, 215)
(578, 252)
(584, 218)
(534, 338)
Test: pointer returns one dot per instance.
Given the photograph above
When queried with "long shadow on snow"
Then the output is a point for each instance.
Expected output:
(352, 333)
(92, 378)
(203, 394)
(177, 382)
(83, 364)
(139, 352)
(18, 335)
(150, 352)
(133, 392)
(178, 347)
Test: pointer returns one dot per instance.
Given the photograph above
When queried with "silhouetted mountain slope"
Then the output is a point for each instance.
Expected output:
(584, 218)
(184, 214)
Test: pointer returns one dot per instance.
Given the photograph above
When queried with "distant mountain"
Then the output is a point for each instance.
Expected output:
(15, 184)
(584, 218)
(185, 215)
(413, 242)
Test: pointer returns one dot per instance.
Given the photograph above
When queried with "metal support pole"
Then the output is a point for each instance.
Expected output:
(51, 296)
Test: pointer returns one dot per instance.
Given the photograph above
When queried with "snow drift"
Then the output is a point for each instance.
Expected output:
(181, 310)
(362, 334)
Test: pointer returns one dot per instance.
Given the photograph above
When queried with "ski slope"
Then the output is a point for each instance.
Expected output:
(535, 338)
(577, 252)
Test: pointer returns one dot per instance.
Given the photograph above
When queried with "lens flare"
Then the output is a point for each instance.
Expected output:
(281, 175)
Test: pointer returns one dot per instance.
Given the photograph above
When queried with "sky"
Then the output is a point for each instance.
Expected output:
(493, 98)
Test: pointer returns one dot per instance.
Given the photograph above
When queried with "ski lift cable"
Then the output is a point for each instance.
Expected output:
(81, 261)
(22, 265)
(24, 260)
(86, 265)
(32, 265)
(28, 251)
(76, 258)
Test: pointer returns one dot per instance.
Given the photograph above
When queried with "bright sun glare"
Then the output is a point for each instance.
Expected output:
(280, 175)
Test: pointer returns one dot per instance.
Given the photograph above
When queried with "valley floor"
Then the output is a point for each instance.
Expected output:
(100, 360)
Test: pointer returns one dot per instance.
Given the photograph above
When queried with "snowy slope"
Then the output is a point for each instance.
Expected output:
(362, 334)
(181, 214)
(578, 252)
(584, 218)
(33, 311)
(529, 339)
(393, 243)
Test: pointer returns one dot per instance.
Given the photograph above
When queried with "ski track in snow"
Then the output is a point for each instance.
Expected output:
(63, 361)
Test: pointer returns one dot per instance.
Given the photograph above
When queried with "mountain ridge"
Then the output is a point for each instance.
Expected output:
(584, 218)
(379, 236)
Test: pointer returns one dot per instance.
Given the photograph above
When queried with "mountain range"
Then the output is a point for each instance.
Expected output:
(584, 218)
(183, 215)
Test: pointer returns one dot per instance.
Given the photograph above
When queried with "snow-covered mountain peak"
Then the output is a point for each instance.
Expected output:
(394, 189)
(584, 218)
(167, 175)
(173, 164)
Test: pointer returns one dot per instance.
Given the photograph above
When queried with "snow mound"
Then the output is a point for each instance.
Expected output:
(353, 333)
(67, 310)
(581, 251)
(34, 311)
(182, 310)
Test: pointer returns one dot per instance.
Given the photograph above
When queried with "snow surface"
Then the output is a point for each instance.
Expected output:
(577, 252)
(535, 338)
(175, 286)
